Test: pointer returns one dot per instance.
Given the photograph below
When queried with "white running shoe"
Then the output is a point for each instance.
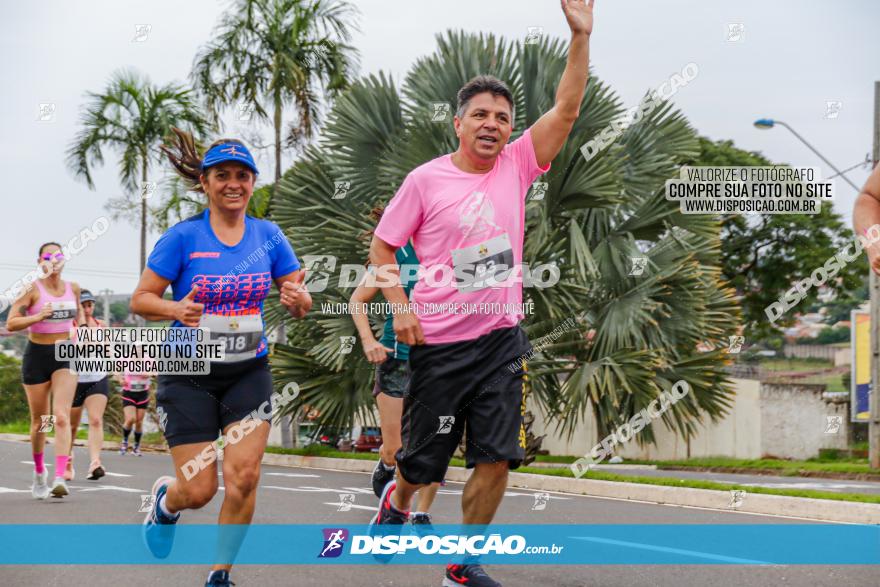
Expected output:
(40, 487)
(59, 488)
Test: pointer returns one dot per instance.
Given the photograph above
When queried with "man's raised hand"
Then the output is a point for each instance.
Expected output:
(579, 14)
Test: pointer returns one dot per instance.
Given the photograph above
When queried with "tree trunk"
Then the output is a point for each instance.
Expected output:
(277, 123)
(143, 215)
(286, 421)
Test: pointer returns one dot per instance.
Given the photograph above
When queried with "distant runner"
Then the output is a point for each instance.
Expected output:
(392, 380)
(49, 309)
(92, 391)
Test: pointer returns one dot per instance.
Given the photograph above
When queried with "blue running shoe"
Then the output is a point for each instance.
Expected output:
(219, 579)
(158, 526)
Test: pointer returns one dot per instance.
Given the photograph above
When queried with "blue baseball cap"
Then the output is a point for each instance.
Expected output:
(228, 152)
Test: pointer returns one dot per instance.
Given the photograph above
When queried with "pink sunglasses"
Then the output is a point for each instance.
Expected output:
(50, 256)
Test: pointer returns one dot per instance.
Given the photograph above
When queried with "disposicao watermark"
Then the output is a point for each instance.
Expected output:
(628, 430)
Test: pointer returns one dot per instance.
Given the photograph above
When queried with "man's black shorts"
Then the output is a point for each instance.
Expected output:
(84, 390)
(198, 408)
(474, 386)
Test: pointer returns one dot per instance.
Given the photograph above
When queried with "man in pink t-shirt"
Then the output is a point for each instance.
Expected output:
(465, 214)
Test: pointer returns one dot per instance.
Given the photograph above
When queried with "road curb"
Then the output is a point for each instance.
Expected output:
(824, 510)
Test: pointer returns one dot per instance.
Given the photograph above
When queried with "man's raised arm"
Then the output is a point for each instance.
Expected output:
(552, 129)
(867, 213)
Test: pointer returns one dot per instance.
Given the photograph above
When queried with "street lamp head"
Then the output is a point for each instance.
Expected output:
(764, 123)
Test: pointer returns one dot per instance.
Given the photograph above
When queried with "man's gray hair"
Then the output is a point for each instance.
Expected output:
(480, 85)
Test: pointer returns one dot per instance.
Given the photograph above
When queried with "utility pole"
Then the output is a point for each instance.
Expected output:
(874, 399)
(106, 293)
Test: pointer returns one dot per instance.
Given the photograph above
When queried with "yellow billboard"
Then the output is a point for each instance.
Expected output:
(861, 366)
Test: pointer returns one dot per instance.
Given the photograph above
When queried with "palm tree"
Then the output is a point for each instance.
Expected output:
(278, 52)
(133, 117)
(635, 335)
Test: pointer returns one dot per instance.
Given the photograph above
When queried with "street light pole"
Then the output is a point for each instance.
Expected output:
(106, 293)
(874, 280)
(770, 123)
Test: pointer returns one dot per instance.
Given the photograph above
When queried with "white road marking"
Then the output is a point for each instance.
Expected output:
(292, 475)
(308, 489)
(114, 488)
(10, 490)
(506, 493)
(109, 474)
(352, 506)
(359, 490)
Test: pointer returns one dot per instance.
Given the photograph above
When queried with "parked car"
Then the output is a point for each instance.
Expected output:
(331, 437)
(368, 439)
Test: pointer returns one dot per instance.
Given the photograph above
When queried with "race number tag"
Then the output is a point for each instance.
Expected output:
(62, 312)
(240, 335)
(137, 386)
(485, 264)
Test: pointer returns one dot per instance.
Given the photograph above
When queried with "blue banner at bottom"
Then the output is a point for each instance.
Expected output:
(560, 544)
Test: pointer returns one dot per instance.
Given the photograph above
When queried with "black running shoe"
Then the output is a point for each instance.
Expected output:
(470, 575)
(96, 473)
(219, 579)
(386, 513)
(420, 518)
(381, 477)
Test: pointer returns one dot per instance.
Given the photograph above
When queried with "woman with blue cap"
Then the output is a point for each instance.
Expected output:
(220, 264)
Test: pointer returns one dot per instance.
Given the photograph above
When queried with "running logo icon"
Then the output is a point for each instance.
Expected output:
(736, 498)
(638, 266)
(245, 111)
(346, 344)
(735, 344)
(163, 417)
(341, 189)
(832, 424)
(440, 111)
(334, 540)
(47, 423)
(147, 502)
(141, 33)
(539, 190)
(46, 112)
(832, 109)
(534, 34)
(346, 500)
(446, 423)
(541, 501)
(319, 268)
(735, 32)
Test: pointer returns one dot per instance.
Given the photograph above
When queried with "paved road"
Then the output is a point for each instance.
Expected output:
(296, 495)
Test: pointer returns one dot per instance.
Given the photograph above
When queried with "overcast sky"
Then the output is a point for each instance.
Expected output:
(790, 59)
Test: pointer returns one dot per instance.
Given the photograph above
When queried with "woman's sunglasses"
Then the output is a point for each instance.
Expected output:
(49, 256)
